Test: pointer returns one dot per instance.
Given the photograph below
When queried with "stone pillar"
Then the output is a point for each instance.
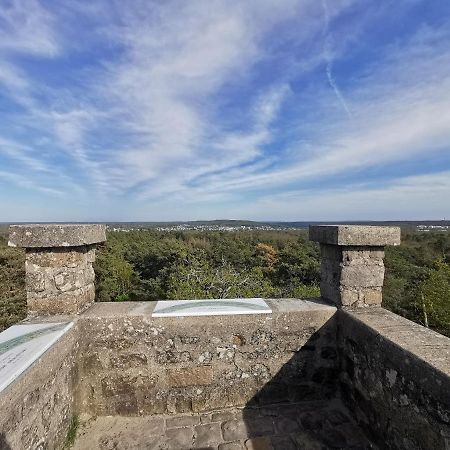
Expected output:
(352, 267)
(58, 266)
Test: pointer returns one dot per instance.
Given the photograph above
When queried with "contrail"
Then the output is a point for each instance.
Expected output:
(329, 60)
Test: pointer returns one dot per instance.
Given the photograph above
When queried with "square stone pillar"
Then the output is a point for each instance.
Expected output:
(58, 265)
(352, 267)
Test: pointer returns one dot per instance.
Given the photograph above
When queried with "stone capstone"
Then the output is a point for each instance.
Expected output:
(56, 235)
(355, 235)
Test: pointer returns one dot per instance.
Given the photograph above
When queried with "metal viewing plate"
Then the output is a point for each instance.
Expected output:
(215, 307)
(21, 345)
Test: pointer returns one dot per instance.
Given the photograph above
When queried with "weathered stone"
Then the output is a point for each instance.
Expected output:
(71, 302)
(55, 235)
(36, 409)
(59, 273)
(223, 416)
(196, 376)
(180, 438)
(231, 446)
(182, 421)
(355, 235)
(395, 376)
(261, 426)
(171, 357)
(233, 430)
(352, 268)
(285, 425)
(207, 435)
(282, 341)
(259, 443)
(127, 360)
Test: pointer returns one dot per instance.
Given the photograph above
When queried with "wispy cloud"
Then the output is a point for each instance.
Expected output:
(216, 103)
(406, 198)
(327, 53)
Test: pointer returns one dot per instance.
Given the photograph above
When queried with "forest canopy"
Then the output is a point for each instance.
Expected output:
(156, 265)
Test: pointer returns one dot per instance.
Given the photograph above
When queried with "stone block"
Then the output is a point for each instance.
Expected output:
(359, 276)
(182, 421)
(194, 376)
(234, 430)
(348, 297)
(372, 296)
(259, 443)
(127, 360)
(180, 437)
(207, 435)
(55, 235)
(231, 446)
(361, 255)
(357, 235)
(58, 257)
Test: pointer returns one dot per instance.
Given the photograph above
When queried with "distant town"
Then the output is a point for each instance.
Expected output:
(212, 227)
(236, 225)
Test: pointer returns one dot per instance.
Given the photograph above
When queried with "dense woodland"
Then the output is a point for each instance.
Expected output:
(152, 265)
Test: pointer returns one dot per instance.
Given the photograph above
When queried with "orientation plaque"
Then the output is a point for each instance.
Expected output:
(21, 345)
(210, 307)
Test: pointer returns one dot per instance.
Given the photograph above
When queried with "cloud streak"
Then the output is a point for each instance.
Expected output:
(327, 53)
(187, 103)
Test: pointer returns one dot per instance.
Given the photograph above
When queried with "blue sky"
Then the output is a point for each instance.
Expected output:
(205, 109)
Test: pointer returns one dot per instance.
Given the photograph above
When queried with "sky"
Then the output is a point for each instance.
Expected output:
(281, 110)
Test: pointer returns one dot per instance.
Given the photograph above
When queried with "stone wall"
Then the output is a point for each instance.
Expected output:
(395, 377)
(36, 410)
(133, 364)
(60, 280)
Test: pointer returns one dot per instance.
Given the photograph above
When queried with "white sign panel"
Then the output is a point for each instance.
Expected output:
(21, 345)
(215, 307)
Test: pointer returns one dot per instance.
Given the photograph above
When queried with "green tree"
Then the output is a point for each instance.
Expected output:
(435, 298)
(194, 277)
(12, 285)
(116, 277)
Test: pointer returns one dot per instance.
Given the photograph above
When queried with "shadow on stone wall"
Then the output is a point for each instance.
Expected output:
(4, 443)
(299, 407)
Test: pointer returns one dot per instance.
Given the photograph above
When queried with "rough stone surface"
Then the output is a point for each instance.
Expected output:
(355, 235)
(395, 376)
(56, 235)
(352, 267)
(318, 432)
(36, 410)
(189, 364)
(392, 374)
(59, 280)
(59, 273)
(352, 276)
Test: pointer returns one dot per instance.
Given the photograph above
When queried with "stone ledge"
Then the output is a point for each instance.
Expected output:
(56, 235)
(409, 338)
(357, 235)
(144, 309)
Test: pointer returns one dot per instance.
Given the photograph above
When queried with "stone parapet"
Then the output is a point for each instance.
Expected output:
(59, 272)
(352, 267)
(36, 410)
(395, 378)
(136, 364)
